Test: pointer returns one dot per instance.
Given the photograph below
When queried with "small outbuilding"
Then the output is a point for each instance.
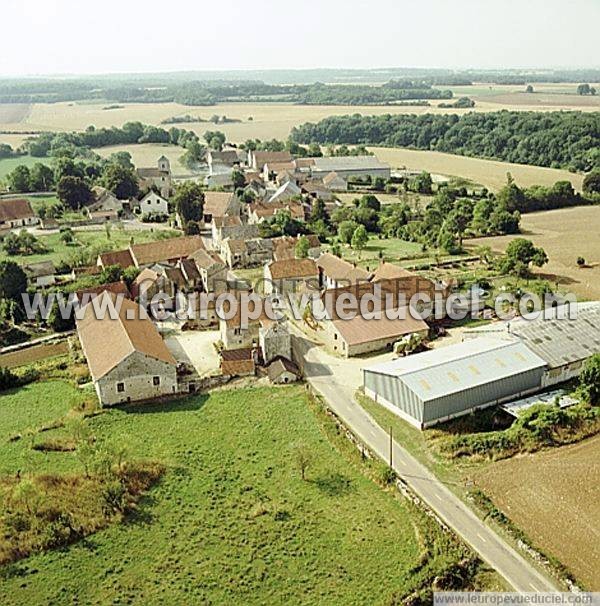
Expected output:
(282, 371)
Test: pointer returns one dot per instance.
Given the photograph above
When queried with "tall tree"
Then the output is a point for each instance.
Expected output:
(120, 180)
(74, 192)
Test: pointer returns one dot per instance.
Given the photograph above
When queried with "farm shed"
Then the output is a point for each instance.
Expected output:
(350, 166)
(564, 339)
(434, 386)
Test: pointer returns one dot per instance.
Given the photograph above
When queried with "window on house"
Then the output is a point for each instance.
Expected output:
(237, 331)
(120, 387)
(155, 380)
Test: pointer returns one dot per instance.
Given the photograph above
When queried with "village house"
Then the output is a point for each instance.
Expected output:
(103, 216)
(235, 335)
(16, 212)
(335, 272)
(147, 284)
(360, 335)
(167, 251)
(238, 362)
(105, 200)
(153, 204)
(225, 160)
(158, 178)
(256, 189)
(231, 227)
(127, 357)
(284, 247)
(190, 271)
(272, 170)
(282, 371)
(40, 274)
(116, 289)
(122, 258)
(290, 276)
(262, 211)
(317, 190)
(334, 182)
(212, 270)
(258, 159)
(274, 339)
(220, 204)
(286, 192)
(246, 253)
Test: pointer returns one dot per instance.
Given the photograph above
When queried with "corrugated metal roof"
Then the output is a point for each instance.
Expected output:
(441, 372)
(558, 340)
(333, 164)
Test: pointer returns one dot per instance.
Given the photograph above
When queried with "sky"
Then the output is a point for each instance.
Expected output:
(116, 36)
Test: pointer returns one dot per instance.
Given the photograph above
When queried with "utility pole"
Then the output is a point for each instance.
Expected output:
(391, 447)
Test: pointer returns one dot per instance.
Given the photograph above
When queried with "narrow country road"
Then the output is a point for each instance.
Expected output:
(336, 380)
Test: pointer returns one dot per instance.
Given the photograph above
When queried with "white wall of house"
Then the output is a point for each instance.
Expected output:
(138, 377)
(152, 203)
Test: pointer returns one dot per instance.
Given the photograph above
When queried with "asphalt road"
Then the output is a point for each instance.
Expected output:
(337, 386)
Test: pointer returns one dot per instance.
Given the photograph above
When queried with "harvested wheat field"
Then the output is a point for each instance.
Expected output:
(565, 235)
(13, 113)
(553, 497)
(490, 173)
(147, 154)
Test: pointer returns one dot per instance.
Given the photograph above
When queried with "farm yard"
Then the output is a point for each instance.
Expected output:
(561, 234)
(231, 520)
(553, 495)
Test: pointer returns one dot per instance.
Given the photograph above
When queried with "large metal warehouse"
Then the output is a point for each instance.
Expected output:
(434, 386)
(564, 340)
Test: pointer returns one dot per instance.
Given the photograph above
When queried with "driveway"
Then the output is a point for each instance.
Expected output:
(195, 347)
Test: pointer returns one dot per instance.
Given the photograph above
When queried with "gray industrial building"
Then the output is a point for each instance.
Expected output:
(438, 385)
(350, 167)
(496, 363)
(564, 339)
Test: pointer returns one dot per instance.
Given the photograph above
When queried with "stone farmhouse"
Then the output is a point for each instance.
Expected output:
(127, 357)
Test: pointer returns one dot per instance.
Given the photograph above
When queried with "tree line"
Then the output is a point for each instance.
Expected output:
(206, 93)
(557, 139)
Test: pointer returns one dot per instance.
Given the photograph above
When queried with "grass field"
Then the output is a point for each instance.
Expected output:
(88, 239)
(231, 521)
(490, 173)
(553, 495)
(8, 164)
(564, 234)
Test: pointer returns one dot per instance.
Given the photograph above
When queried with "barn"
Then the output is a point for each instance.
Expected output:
(438, 385)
